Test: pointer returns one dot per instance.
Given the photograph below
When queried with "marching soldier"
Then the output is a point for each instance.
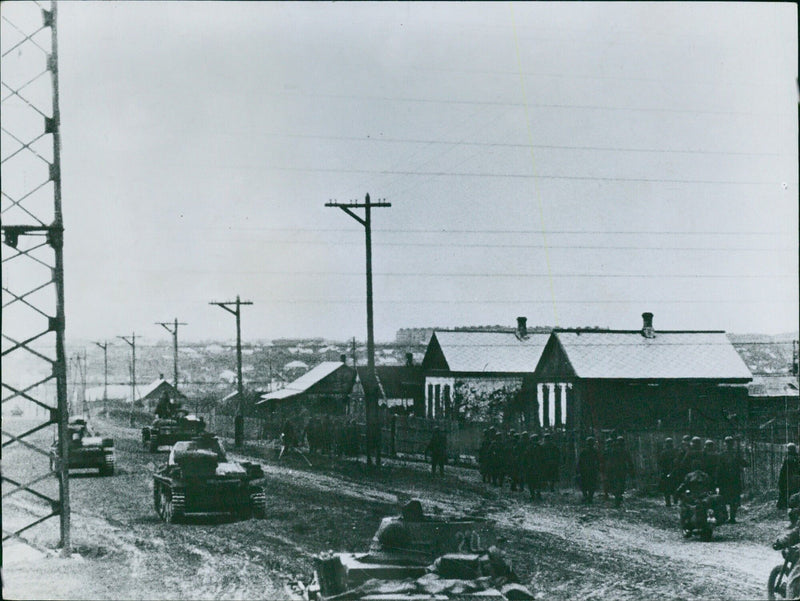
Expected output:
(666, 463)
(588, 469)
(729, 477)
(550, 461)
(533, 466)
(789, 478)
(619, 466)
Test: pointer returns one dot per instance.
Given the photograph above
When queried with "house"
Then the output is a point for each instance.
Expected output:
(480, 374)
(157, 388)
(401, 388)
(642, 379)
(323, 389)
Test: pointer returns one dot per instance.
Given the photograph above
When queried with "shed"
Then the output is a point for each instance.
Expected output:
(323, 389)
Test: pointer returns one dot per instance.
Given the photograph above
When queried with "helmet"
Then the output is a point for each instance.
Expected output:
(709, 444)
(668, 440)
(729, 440)
(791, 448)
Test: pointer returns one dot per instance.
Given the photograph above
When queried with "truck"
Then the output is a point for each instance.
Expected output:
(168, 431)
(86, 449)
(199, 479)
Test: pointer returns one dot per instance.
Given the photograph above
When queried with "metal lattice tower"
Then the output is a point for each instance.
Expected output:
(34, 367)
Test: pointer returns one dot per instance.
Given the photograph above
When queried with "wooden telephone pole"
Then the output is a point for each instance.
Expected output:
(238, 424)
(370, 389)
(172, 328)
(132, 343)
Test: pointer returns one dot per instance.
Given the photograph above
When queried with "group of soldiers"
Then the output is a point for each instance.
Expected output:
(521, 458)
(607, 465)
(723, 468)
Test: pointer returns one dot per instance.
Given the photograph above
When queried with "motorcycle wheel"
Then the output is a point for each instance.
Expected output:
(687, 533)
(706, 534)
(772, 592)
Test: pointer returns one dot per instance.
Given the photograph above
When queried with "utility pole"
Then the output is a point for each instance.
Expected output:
(104, 346)
(172, 328)
(132, 343)
(238, 424)
(370, 392)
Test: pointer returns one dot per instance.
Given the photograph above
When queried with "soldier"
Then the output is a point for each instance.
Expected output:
(710, 462)
(666, 463)
(518, 473)
(532, 464)
(483, 454)
(496, 460)
(514, 463)
(603, 447)
(163, 408)
(588, 469)
(437, 447)
(789, 478)
(506, 465)
(692, 460)
(729, 477)
(619, 465)
(550, 461)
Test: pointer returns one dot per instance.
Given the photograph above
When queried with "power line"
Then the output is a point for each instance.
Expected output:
(509, 231)
(514, 145)
(564, 246)
(520, 104)
(502, 175)
(483, 275)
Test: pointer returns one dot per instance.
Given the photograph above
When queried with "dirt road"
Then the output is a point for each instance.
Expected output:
(560, 548)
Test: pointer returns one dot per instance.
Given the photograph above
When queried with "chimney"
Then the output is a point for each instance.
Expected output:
(522, 327)
(160, 376)
(409, 359)
(343, 358)
(647, 325)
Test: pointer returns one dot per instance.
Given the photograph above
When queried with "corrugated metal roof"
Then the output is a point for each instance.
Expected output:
(670, 355)
(304, 382)
(774, 386)
(467, 351)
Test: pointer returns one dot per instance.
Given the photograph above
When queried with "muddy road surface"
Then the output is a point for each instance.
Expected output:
(560, 548)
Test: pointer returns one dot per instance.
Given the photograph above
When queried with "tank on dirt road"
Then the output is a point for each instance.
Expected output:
(199, 479)
(168, 431)
(413, 556)
(86, 449)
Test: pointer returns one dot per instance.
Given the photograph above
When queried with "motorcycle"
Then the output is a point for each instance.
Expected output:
(782, 584)
(700, 517)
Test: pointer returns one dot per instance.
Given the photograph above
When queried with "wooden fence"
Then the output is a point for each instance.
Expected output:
(409, 436)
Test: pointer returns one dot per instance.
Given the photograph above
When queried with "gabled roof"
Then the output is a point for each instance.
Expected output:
(304, 382)
(481, 351)
(396, 381)
(155, 387)
(617, 354)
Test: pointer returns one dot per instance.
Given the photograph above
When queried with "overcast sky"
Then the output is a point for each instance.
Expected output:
(575, 163)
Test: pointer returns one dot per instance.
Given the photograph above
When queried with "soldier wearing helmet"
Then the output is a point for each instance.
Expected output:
(619, 466)
(710, 464)
(789, 478)
(667, 461)
(729, 477)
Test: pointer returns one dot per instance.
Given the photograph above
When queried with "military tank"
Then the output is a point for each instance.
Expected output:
(413, 556)
(168, 431)
(198, 479)
(86, 449)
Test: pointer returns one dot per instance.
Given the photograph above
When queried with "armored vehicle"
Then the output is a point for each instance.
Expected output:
(168, 431)
(413, 556)
(86, 450)
(198, 478)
